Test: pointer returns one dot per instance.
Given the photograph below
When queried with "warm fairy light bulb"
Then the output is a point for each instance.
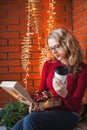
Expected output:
(32, 17)
(33, 8)
(54, 13)
(51, 16)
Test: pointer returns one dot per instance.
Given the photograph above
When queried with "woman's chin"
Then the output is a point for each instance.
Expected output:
(61, 60)
(58, 58)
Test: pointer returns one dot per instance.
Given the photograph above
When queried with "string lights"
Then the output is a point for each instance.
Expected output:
(33, 21)
(34, 18)
(51, 12)
(45, 54)
(32, 28)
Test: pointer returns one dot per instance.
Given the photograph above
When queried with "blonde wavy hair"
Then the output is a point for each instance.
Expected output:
(72, 50)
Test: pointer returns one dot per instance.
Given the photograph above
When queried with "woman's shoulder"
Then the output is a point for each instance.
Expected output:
(84, 69)
(84, 66)
(51, 62)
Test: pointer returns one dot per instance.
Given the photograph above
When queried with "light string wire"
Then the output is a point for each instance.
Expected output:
(51, 12)
(45, 54)
(32, 28)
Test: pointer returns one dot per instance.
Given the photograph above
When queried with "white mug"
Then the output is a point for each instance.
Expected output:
(61, 73)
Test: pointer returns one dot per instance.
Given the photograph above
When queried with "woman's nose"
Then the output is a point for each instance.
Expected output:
(54, 50)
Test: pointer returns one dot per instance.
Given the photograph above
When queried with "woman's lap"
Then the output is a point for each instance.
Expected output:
(48, 120)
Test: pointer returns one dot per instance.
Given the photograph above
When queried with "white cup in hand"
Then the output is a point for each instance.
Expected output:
(61, 73)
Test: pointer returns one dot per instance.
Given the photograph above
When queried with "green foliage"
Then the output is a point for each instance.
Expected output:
(11, 113)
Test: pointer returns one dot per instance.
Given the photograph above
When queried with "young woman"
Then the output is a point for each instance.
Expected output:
(65, 51)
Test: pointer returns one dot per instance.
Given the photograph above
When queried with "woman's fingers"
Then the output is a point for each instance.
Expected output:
(34, 107)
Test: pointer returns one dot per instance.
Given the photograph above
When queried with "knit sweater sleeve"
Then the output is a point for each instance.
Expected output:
(73, 101)
(45, 70)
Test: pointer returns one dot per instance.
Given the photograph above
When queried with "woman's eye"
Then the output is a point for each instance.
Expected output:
(54, 48)
(57, 46)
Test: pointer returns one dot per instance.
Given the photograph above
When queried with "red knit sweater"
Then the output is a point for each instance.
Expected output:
(75, 85)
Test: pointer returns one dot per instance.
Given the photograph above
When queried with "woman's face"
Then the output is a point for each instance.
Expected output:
(56, 49)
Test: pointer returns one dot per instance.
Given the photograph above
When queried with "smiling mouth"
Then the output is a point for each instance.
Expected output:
(57, 55)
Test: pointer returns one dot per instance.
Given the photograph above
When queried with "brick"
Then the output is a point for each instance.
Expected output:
(3, 55)
(16, 1)
(9, 63)
(9, 49)
(15, 41)
(9, 35)
(82, 39)
(62, 2)
(2, 28)
(35, 55)
(6, 97)
(84, 46)
(34, 62)
(32, 89)
(14, 55)
(32, 76)
(75, 4)
(23, 20)
(17, 27)
(37, 83)
(35, 76)
(44, 26)
(3, 70)
(16, 70)
(60, 21)
(42, 42)
(44, 1)
(82, 31)
(2, 104)
(68, 21)
(2, 1)
(59, 7)
(10, 77)
(29, 84)
(36, 69)
(17, 13)
(34, 49)
(2, 92)
(3, 42)
(9, 7)
(80, 24)
(9, 20)
(79, 10)
(2, 13)
(45, 34)
(76, 18)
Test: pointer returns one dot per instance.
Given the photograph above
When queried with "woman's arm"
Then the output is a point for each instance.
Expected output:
(73, 101)
(43, 84)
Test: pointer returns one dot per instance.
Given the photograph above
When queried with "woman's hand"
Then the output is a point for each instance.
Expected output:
(59, 87)
(35, 107)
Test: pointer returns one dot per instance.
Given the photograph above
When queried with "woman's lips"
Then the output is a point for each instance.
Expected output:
(57, 55)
